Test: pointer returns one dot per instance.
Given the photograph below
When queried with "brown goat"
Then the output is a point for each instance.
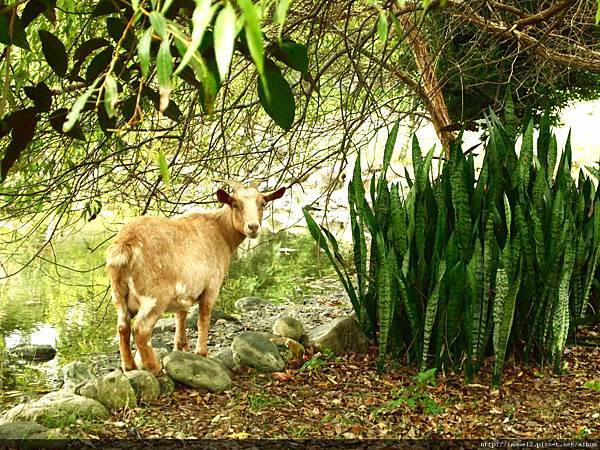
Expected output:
(158, 265)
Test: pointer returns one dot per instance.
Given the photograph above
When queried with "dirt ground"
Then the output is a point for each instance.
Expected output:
(347, 398)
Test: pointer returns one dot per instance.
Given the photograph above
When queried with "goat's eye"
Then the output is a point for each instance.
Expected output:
(237, 206)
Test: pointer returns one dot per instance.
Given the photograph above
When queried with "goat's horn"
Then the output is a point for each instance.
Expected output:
(254, 184)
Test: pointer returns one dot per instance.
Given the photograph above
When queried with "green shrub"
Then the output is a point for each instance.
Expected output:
(471, 264)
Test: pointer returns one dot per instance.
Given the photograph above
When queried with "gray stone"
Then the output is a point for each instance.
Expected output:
(288, 327)
(88, 389)
(18, 431)
(191, 321)
(197, 371)
(167, 385)
(34, 352)
(160, 351)
(225, 357)
(166, 324)
(115, 392)
(144, 384)
(56, 407)
(342, 335)
(252, 349)
(250, 303)
(216, 314)
(75, 374)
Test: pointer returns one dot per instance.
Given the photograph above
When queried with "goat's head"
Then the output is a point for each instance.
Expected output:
(247, 205)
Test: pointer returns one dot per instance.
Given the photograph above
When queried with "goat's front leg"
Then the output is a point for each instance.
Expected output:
(181, 340)
(144, 324)
(207, 301)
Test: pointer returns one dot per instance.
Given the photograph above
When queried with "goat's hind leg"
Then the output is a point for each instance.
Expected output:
(124, 329)
(181, 340)
(145, 320)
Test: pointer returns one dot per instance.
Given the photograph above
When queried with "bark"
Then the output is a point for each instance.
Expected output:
(433, 96)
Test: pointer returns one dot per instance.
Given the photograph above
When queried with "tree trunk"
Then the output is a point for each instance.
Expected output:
(434, 99)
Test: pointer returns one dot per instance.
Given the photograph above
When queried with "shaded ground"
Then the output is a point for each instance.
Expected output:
(348, 398)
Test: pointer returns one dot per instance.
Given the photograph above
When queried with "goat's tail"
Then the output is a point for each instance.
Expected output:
(118, 260)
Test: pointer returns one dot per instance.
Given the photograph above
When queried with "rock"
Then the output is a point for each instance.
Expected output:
(288, 348)
(144, 384)
(88, 389)
(288, 327)
(255, 350)
(160, 351)
(225, 357)
(56, 408)
(34, 352)
(167, 385)
(76, 373)
(342, 335)
(215, 314)
(197, 371)
(168, 323)
(18, 431)
(250, 303)
(115, 392)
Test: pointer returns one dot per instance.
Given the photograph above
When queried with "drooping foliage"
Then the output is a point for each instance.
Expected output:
(470, 264)
(123, 59)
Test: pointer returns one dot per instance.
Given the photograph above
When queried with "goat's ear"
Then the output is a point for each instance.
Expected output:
(224, 197)
(269, 196)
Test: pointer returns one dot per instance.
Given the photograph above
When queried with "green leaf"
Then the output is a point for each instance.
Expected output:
(57, 119)
(598, 14)
(281, 11)
(111, 95)
(200, 20)
(224, 38)
(164, 167)
(55, 53)
(159, 24)
(144, 52)
(41, 96)
(98, 64)
(280, 103)
(19, 36)
(164, 70)
(116, 27)
(293, 55)
(382, 26)
(75, 112)
(253, 33)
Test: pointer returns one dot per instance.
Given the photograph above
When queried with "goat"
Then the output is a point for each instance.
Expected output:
(158, 265)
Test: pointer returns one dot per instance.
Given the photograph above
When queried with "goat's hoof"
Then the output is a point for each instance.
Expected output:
(128, 367)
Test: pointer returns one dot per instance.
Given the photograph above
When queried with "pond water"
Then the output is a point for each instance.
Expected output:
(62, 299)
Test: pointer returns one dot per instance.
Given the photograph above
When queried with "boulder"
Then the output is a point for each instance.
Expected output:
(160, 351)
(34, 352)
(288, 327)
(253, 349)
(250, 303)
(17, 431)
(225, 357)
(167, 384)
(115, 392)
(144, 384)
(75, 374)
(88, 389)
(197, 371)
(342, 335)
(55, 408)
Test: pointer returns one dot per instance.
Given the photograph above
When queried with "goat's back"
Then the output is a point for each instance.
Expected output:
(179, 257)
